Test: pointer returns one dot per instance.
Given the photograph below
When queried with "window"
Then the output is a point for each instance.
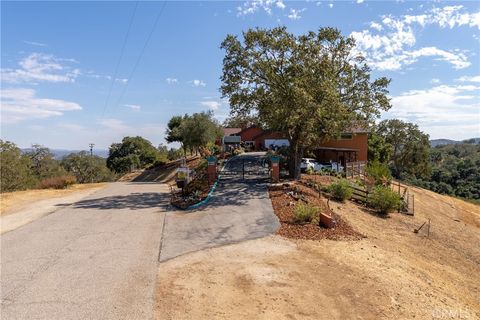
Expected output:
(346, 136)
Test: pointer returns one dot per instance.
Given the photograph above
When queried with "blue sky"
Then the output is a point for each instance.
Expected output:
(59, 61)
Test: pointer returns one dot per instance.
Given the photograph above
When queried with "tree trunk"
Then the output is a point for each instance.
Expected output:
(296, 154)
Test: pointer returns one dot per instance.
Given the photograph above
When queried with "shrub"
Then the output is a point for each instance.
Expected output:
(384, 200)
(310, 170)
(341, 190)
(61, 182)
(379, 172)
(304, 213)
(238, 151)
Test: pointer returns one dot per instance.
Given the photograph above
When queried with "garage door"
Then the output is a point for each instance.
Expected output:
(276, 142)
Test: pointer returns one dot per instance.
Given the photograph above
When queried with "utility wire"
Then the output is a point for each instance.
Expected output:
(120, 59)
(141, 53)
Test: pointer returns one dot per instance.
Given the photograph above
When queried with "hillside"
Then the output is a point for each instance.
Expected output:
(393, 273)
(60, 153)
(442, 142)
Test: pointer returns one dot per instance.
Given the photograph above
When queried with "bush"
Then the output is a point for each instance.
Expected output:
(61, 182)
(238, 151)
(310, 170)
(15, 168)
(384, 200)
(87, 168)
(379, 172)
(304, 213)
(341, 190)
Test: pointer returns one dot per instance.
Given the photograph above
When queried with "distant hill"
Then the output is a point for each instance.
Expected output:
(60, 153)
(442, 142)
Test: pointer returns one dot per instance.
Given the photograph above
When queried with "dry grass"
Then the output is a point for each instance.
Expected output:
(392, 274)
(14, 201)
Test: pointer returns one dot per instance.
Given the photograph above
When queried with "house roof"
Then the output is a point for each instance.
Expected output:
(231, 131)
(358, 127)
(267, 132)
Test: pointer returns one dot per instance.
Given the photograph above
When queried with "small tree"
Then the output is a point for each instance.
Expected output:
(309, 87)
(341, 190)
(86, 168)
(411, 147)
(199, 130)
(15, 168)
(44, 165)
(134, 152)
(384, 200)
(174, 132)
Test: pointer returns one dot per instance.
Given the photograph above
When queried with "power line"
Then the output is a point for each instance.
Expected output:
(120, 58)
(141, 54)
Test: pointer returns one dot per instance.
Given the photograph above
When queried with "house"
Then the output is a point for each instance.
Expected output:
(351, 146)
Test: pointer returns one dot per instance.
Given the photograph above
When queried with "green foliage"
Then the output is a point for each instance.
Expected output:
(242, 121)
(174, 154)
(378, 149)
(132, 153)
(309, 87)
(384, 200)
(200, 129)
(60, 182)
(341, 190)
(15, 168)
(379, 172)
(310, 170)
(455, 171)
(194, 132)
(43, 163)
(86, 168)
(304, 213)
(410, 146)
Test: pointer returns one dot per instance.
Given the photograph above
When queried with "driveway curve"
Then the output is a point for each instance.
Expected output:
(240, 209)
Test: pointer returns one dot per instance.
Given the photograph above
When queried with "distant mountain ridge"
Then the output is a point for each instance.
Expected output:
(60, 153)
(442, 142)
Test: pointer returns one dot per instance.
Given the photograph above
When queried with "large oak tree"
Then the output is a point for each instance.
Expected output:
(310, 87)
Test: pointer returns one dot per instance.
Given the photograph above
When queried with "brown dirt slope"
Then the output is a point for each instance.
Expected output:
(392, 274)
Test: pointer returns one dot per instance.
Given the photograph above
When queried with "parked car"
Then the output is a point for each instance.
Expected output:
(309, 163)
(335, 166)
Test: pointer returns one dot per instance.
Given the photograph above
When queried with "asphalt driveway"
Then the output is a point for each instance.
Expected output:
(98, 258)
(95, 259)
(239, 210)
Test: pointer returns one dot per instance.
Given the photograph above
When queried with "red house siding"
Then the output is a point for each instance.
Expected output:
(249, 133)
(359, 142)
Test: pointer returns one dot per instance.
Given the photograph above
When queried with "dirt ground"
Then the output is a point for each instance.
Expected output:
(15, 201)
(392, 274)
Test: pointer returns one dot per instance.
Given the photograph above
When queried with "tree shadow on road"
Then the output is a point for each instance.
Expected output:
(132, 201)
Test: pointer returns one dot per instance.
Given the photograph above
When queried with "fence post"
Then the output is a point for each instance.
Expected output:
(212, 170)
(275, 168)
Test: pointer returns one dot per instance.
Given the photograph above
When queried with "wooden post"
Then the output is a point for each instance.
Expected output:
(275, 168)
(413, 203)
(428, 232)
(212, 170)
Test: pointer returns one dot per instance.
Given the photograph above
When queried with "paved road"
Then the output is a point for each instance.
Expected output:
(239, 210)
(96, 259)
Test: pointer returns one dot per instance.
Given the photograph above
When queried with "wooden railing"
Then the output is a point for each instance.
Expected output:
(355, 169)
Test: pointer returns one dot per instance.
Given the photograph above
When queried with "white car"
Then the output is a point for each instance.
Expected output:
(310, 163)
